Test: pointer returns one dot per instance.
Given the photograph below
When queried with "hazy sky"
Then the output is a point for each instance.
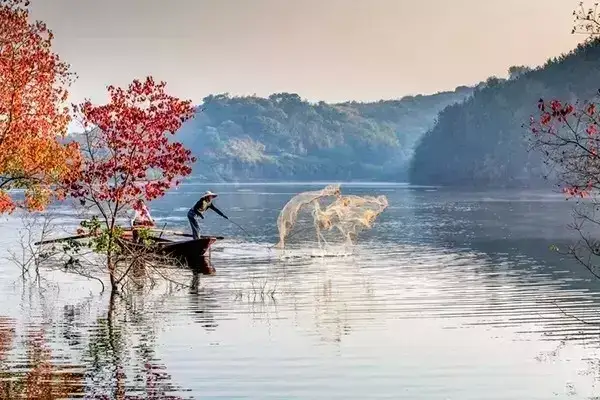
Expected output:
(330, 50)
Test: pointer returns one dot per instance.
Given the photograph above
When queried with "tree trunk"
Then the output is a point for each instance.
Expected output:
(112, 272)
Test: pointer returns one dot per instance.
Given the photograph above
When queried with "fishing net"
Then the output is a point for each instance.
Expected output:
(333, 215)
(348, 215)
(289, 213)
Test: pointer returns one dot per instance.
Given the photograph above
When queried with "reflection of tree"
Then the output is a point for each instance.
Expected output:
(120, 362)
(105, 351)
(123, 364)
(7, 332)
(40, 377)
(69, 331)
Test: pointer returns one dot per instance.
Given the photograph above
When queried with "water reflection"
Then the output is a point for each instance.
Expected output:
(115, 370)
(117, 360)
(35, 374)
(203, 305)
(439, 301)
(323, 300)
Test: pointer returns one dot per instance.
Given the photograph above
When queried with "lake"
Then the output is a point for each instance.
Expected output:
(452, 295)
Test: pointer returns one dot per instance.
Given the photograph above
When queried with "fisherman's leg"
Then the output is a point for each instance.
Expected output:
(196, 229)
(194, 225)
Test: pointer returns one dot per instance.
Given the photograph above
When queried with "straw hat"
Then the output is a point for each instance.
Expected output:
(209, 193)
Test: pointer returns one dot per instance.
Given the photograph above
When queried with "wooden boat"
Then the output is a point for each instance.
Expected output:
(191, 253)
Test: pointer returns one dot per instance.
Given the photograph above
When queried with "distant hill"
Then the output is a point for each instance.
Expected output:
(481, 142)
(284, 137)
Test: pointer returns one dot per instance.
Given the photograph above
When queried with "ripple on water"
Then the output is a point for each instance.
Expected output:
(391, 319)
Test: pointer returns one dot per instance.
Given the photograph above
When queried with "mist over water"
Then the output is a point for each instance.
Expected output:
(452, 295)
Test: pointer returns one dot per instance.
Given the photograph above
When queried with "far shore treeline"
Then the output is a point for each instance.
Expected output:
(472, 136)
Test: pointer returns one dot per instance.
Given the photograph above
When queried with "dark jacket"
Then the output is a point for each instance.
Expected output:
(202, 205)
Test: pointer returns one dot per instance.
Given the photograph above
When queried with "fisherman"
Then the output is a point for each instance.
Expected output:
(141, 218)
(201, 206)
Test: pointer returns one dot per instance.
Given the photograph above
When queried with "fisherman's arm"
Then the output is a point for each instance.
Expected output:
(215, 209)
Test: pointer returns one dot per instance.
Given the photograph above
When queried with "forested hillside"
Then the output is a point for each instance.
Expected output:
(284, 137)
(482, 141)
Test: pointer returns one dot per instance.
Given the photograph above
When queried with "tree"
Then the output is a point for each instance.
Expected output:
(33, 116)
(586, 21)
(127, 156)
(517, 70)
(567, 135)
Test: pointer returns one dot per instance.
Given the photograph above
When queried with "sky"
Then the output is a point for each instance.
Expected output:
(331, 50)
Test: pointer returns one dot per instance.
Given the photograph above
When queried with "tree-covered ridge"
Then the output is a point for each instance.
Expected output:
(482, 142)
(286, 137)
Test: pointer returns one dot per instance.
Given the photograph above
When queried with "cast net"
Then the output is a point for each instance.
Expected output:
(289, 213)
(348, 215)
(333, 216)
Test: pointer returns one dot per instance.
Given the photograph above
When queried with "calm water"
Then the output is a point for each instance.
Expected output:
(451, 296)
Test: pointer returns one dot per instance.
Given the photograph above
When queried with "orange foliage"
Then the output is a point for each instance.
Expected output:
(33, 112)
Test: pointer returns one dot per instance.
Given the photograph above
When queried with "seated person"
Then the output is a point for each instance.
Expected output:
(141, 219)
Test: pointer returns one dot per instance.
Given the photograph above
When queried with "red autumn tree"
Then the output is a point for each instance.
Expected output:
(567, 133)
(128, 156)
(33, 113)
(568, 137)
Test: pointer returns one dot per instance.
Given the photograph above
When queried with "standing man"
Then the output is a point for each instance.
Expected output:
(201, 206)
